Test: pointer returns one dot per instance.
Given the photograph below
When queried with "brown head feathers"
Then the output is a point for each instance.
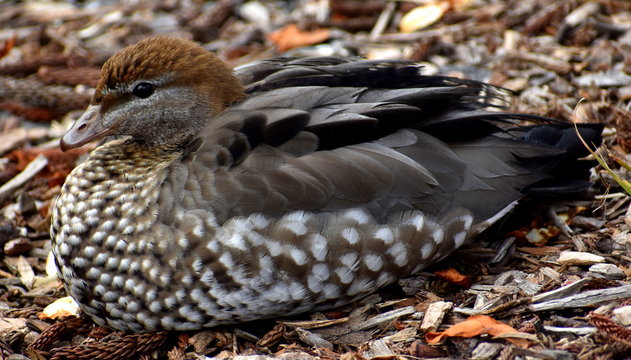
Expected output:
(178, 61)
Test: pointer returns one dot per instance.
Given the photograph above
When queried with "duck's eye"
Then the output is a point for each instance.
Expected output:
(143, 90)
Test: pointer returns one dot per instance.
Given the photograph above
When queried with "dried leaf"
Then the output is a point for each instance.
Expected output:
(60, 163)
(27, 275)
(8, 325)
(66, 306)
(291, 36)
(273, 336)
(32, 113)
(474, 326)
(460, 5)
(8, 45)
(423, 16)
(51, 267)
(453, 276)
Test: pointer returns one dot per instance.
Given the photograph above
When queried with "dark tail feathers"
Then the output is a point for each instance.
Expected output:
(568, 173)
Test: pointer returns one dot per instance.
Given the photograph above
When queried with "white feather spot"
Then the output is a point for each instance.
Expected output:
(133, 307)
(345, 274)
(361, 286)
(98, 236)
(124, 265)
(349, 260)
(321, 271)
(64, 249)
(123, 223)
(105, 279)
(155, 306)
(259, 221)
(170, 302)
(298, 256)
(438, 235)
(110, 296)
(459, 238)
(112, 263)
(315, 284)
(419, 222)
(351, 235)
(89, 252)
(399, 254)
(198, 265)
(373, 262)
(129, 284)
(319, 248)
(236, 241)
(385, 235)
(296, 227)
(74, 240)
(121, 245)
(191, 315)
(331, 291)
(99, 290)
(297, 291)
(274, 247)
(93, 274)
(468, 221)
(359, 215)
(100, 259)
(182, 241)
(110, 242)
(226, 260)
(426, 249)
(146, 264)
(384, 279)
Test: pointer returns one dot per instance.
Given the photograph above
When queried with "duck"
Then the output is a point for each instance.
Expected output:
(288, 185)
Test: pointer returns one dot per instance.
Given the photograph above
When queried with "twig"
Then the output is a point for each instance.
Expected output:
(20, 179)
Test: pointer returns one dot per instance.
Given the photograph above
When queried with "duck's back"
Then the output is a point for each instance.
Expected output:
(328, 134)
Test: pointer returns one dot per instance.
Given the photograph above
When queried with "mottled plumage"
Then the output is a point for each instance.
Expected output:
(303, 185)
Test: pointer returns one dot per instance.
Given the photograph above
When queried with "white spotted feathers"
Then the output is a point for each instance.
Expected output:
(292, 185)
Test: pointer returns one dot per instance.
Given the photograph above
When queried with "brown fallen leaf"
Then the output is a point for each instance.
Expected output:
(37, 114)
(59, 163)
(453, 276)
(474, 326)
(291, 36)
(7, 46)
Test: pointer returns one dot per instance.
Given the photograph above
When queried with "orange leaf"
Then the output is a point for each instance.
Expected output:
(60, 163)
(453, 276)
(290, 37)
(474, 326)
(8, 45)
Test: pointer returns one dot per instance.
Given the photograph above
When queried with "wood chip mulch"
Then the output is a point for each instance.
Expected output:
(553, 281)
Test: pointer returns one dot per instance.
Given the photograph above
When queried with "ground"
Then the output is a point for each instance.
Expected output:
(552, 282)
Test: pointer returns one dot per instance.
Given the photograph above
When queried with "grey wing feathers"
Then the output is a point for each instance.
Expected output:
(298, 144)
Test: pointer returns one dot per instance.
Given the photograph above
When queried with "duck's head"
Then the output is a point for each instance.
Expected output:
(160, 91)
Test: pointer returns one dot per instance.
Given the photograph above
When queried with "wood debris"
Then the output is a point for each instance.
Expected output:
(553, 277)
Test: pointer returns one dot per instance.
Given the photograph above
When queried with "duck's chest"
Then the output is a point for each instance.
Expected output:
(103, 213)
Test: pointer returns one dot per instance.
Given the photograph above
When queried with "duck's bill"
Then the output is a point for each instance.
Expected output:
(86, 129)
